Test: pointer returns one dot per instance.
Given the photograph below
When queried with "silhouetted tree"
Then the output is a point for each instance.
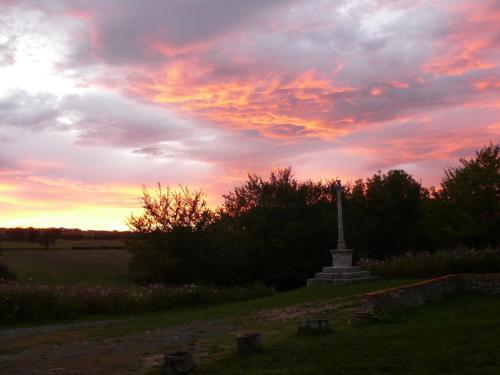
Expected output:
(394, 211)
(170, 210)
(174, 237)
(283, 226)
(467, 210)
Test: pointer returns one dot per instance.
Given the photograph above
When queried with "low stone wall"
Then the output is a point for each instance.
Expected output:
(488, 283)
(385, 301)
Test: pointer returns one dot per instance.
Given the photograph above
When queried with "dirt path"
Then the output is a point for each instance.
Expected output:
(76, 349)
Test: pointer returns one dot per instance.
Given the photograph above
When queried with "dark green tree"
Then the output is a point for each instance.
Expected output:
(467, 211)
(284, 227)
(394, 213)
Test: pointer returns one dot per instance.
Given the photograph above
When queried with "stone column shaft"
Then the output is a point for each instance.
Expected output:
(340, 242)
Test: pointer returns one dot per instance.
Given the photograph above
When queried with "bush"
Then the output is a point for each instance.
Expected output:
(5, 274)
(36, 302)
(426, 264)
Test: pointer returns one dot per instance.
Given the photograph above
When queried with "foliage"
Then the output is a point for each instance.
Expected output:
(175, 237)
(468, 203)
(387, 214)
(5, 273)
(278, 230)
(426, 264)
(38, 301)
(171, 210)
(282, 227)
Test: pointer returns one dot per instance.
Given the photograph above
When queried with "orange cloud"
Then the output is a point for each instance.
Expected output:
(376, 91)
(468, 46)
(271, 104)
(487, 84)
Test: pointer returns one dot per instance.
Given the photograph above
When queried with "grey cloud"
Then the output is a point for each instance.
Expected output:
(96, 118)
(6, 163)
(123, 28)
(107, 119)
(153, 151)
(7, 50)
(30, 111)
(6, 139)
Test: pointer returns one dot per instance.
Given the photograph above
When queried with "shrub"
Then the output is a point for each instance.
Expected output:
(5, 274)
(426, 264)
(36, 302)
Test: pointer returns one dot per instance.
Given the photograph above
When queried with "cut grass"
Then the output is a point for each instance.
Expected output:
(458, 336)
(310, 294)
(69, 267)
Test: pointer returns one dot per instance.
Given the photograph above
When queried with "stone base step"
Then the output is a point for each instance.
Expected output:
(316, 280)
(342, 269)
(342, 275)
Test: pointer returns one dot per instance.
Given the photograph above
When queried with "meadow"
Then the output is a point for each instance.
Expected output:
(68, 266)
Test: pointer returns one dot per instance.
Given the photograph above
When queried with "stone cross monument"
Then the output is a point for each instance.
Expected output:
(342, 270)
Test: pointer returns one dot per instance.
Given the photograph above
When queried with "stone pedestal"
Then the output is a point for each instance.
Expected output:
(342, 270)
(342, 258)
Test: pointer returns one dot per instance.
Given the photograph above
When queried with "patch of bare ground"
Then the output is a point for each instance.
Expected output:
(306, 310)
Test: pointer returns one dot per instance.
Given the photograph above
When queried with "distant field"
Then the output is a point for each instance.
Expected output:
(85, 267)
(64, 244)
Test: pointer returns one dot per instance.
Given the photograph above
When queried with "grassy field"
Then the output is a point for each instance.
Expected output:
(70, 267)
(63, 245)
(457, 336)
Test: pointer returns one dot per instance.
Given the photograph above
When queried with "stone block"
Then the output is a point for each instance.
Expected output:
(249, 344)
(342, 258)
(314, 326)
(178, 363)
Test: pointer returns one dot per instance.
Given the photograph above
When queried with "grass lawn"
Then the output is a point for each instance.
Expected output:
(458, 336)
(313, 294)
(70, 267)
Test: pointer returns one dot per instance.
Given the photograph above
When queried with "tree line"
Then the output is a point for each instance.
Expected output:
(278, 230)
(30, 234)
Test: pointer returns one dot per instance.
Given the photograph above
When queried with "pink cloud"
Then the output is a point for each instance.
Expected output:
(331, 88)
(471, 40)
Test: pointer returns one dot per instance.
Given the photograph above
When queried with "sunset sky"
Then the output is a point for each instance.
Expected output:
(98, 97)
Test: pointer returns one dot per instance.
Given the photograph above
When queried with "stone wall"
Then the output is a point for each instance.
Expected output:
(488, 283)
(385, 301)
